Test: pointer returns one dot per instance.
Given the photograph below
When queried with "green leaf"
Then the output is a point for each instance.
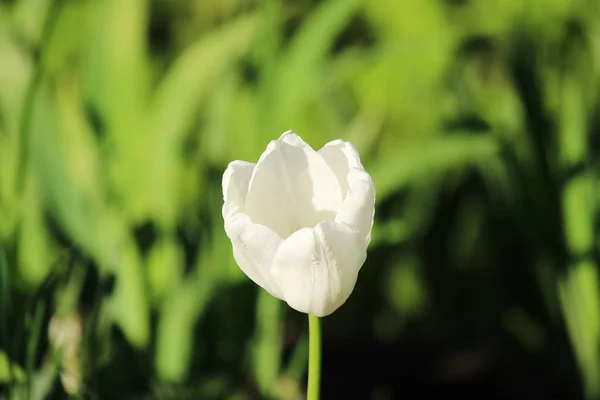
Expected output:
(178, 316)
(5, 367)
(165, 268)
(433, 157)
(298, 363)
(404, 287)
(29, 17)
(267, 342)
(393, 231)
(34, 333)
(176, 104)
(15, 73)
(579, 299)
(69, 184)
(5, 287)
(129, 304)
(74, 212)
(579, 290)
(116, 79)
(306, 55)
(34, 243)
(183, 307)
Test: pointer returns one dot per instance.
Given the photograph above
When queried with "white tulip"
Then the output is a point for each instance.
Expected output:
(300, 221)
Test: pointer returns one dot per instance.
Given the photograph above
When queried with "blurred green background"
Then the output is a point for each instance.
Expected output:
(479, 121)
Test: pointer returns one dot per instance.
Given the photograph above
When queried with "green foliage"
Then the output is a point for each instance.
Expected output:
(477, 120)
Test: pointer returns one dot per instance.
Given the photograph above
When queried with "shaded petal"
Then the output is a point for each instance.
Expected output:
(358, 208)
(236, 180)
(338, 162)
(292, 187)
(254, 247)
(316, 268)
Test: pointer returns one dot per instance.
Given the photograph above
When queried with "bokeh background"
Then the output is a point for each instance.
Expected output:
(479, 121)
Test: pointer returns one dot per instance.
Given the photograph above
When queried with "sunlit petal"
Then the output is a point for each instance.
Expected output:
(316, 268)
(292, 187)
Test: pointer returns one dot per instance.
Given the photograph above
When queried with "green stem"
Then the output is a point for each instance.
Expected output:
(314, 357)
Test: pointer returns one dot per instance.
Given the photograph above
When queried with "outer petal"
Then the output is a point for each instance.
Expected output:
(236, 180)
(292, 187)
(358, 207)
(316, 268)
(254, 247)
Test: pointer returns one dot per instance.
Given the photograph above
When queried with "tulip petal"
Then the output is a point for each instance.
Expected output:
(358, 208)
(292, 187)
(254, 247)
(236, 180)
(317, 268)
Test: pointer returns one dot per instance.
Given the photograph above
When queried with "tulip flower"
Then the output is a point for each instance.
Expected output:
(300, 222)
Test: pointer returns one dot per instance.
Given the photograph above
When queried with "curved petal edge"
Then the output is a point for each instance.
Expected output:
(254, 247)
(317, 268)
